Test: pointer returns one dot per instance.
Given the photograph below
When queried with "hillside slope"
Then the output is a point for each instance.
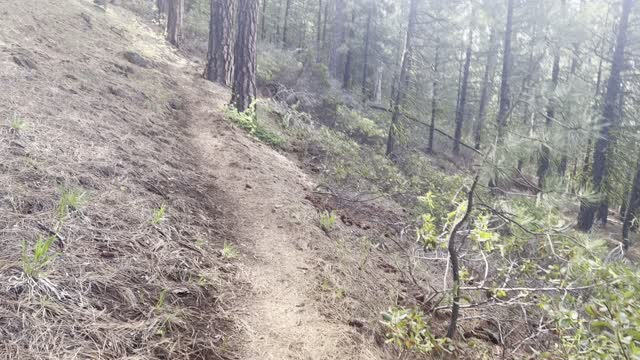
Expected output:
(97, 159)
(116, 151)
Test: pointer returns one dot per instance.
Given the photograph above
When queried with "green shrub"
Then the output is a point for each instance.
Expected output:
(407, 329)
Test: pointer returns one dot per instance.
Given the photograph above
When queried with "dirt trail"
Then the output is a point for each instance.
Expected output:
(277, 227)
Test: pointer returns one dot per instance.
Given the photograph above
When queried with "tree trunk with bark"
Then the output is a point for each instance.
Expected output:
(403, 80)
(588, 209)
(544, 159)
(434, 96)
(460, 113)
(631, 208)
(285, 26)
(336, 58)
(244, 78)
(263, 21)
(485, 93)
(348, 64)
(174, 22)
(220, 55)
(365, 56)
(505, 101)
(162, 6)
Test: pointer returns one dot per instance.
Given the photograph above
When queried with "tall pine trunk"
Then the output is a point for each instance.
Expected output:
(346, 75)
(588, 208)
(319, 32)
(505, 101)
(460, 113)
(174, 22)
(263, 22)
(220, 55)
(633, 202)
(545, 155)
(244, 78)
(336, 59)
(285, 26)
(434, 96)
(403, 80)
(485, 93)
(365, 56)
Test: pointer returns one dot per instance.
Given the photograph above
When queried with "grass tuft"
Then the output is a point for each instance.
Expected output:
(327, 221)
(33, 263)
(229, 251)
(159, 215)
(70, 200)
(17, 125)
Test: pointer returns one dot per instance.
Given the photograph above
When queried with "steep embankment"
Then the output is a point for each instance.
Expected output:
(115, 149)
(110, 232)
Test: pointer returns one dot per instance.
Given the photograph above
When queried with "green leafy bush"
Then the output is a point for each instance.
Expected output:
(407, 329)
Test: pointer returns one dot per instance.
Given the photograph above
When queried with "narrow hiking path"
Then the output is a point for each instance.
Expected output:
(276, 227)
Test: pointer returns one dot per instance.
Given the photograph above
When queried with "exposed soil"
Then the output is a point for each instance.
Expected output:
(278, 229)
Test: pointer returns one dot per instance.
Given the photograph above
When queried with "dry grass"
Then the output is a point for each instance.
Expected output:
(117, 284)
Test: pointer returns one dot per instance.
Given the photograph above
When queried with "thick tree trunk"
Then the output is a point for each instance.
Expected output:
(434, 96)
(403, 80)
(285, 27)
(505, 101)
(544, 159)
(460, 113)
(220, 55)
(485, 93)
(587, 210)
(174, 22)
(244, 79)
(365, 55)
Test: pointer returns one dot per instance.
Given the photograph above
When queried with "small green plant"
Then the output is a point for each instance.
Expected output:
(17, 125)
(159, 215)
(229, 251)
(70, 200)
(247, 120)
(407, 329)
(33, 263)
(327, 221)
(161, 299)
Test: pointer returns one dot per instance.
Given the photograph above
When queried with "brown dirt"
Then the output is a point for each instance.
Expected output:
(278, 228)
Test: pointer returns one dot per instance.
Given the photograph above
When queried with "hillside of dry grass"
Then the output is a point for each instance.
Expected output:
(110, 235)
